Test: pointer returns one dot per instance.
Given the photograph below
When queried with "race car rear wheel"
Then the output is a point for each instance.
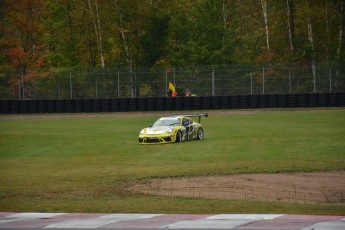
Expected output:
(179, 136)
(200, 134)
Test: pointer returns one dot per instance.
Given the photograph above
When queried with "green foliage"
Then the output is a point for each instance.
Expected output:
(200, 36)
(174, 33)
(153, 41)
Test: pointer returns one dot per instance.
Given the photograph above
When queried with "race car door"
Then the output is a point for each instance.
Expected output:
(188, 124)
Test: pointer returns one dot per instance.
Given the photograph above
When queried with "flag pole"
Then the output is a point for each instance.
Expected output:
(166, 83)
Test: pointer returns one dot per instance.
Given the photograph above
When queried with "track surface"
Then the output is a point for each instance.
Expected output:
(168, 221)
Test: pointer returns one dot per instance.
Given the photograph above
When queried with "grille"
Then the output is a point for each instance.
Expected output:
(152, 140)
(167, 139)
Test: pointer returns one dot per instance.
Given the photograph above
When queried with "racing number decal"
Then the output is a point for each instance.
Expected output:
(191, 130)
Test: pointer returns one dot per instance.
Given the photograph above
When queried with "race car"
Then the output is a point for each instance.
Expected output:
(176, 128)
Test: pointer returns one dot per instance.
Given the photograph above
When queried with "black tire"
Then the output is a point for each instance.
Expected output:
(178, 136)
(200, 134)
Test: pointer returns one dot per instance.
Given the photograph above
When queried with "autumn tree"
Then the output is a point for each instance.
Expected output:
(22, 37)
(54, 36)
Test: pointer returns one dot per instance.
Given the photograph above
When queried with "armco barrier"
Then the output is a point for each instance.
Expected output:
(173, 103)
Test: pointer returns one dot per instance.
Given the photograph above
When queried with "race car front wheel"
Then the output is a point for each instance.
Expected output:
(200, 134)
(178, 136)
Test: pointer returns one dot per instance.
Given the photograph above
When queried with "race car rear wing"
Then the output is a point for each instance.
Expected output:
(196, 115)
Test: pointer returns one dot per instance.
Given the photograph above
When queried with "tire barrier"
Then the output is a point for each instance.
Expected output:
(173, 103)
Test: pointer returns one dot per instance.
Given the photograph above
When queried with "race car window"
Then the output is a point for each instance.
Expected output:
(167, 122)
(186, 122)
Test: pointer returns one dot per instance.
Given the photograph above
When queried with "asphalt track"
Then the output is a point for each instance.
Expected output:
(169, 221)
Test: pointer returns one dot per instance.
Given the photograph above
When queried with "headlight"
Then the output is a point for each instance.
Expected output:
(142, 131)
(170, 130)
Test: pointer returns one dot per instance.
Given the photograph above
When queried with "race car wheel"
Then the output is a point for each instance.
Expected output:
(200, 134)
(178, 136)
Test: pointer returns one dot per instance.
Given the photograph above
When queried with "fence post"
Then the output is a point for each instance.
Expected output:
(289, 82)
(330, 80)
(263, 80)
(58, 87)
(23, 86)
(174, 76)
(213, 85)
(19, 90)
(166, 83)
(70, 84)
(251, 83)
(118, 84)
(96, 85)
(314, 75)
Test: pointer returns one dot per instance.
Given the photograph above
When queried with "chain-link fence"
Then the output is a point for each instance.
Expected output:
(200, 81)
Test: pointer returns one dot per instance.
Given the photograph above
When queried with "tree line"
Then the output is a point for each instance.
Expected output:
(41, 38)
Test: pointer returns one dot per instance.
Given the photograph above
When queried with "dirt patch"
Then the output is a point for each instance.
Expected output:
(316, 187)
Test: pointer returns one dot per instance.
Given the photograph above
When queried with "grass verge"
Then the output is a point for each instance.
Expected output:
(78, 164)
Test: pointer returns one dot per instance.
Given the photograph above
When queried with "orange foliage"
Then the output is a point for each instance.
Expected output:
(265, 57)
(22, 35)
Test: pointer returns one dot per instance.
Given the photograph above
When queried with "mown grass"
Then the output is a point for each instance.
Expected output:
(79, 165)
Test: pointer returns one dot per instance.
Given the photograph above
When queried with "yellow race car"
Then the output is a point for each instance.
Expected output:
(177, 128)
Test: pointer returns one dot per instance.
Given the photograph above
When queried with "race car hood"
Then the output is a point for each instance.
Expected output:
(158, 130)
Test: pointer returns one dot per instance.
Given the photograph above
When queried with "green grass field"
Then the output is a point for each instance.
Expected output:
(78, 164)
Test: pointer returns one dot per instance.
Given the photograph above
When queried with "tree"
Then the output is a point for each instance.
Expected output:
(264, 12)
(291, 25)
(90, 34)
(153, 41)
(22, 38)
(201, 34)
(340, 40)
(97, 25)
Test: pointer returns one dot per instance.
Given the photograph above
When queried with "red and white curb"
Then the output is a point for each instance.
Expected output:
(171, 221)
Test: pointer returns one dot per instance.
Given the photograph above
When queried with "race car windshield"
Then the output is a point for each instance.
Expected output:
(167, 122)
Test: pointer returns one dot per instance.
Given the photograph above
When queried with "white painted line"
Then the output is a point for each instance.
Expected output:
(125, 216)
(27, 216)
(81, 223)
(245, 216)
(208, 224)
(99, 221)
